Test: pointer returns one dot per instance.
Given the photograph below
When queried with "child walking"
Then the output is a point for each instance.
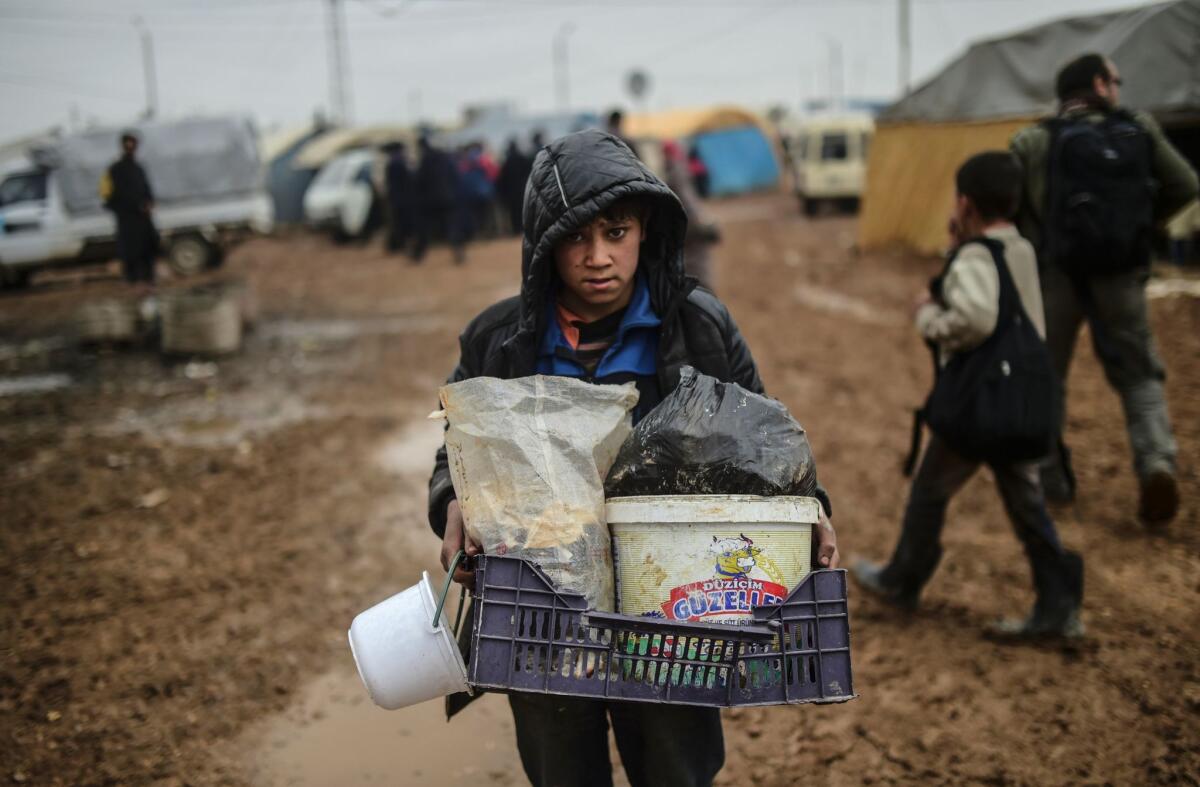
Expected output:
(991, 259)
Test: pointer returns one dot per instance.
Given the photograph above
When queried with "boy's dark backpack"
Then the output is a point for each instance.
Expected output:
(998, 402)
(1100, 194)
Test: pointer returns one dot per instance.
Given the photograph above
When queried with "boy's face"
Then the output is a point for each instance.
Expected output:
(597, 265)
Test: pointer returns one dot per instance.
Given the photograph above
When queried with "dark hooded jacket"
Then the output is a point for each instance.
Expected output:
(574, 178)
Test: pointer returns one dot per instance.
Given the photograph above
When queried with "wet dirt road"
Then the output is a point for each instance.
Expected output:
(183, 549)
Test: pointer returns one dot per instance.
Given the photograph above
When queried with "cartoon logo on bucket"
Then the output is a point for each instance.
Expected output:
(733, 591)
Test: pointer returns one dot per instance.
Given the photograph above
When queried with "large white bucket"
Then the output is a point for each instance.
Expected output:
(708, 558)
(403, 657)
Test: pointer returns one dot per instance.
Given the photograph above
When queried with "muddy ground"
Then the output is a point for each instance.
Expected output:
(183, 546)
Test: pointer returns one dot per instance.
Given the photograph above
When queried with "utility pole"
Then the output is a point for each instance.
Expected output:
(562, 87)
(148, 67)
(339, 83)
(836, 81)
(905, 48)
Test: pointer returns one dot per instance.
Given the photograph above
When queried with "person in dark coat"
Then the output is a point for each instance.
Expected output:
(126, 191)
(604, 298)
(510, 184)
(398, 180)
(436, 182)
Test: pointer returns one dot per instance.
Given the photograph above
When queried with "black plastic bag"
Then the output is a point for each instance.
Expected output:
(710, 437)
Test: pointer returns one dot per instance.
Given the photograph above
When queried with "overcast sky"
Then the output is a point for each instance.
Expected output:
(61, 59)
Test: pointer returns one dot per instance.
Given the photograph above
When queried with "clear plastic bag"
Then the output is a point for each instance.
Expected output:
(528, 458)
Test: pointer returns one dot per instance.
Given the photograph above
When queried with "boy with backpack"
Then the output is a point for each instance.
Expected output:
(1097, 180)
(604, 298)
(992, 403)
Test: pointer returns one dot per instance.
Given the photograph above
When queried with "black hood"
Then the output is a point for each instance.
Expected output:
(576, 177)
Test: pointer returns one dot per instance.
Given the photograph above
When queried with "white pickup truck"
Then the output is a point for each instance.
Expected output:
(208, 192)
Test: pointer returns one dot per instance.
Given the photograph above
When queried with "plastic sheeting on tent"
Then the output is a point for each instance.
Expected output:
(1157, 48)
(738, 160)
(331, 144)
(682, 123)
(1001, 85)
(733, 143)
(286, 182)
(910, 179)
(194, 159)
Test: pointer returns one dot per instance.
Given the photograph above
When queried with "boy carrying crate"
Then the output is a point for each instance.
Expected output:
(604, 298)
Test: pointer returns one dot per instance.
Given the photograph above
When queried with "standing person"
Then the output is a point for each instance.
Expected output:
(398, 180)
(604, 298)
(702, 232)
(435, 185)
(699, 171)
(616, 127)
(992, 269)
(1097, 178)
(510, 183)
(126, 191)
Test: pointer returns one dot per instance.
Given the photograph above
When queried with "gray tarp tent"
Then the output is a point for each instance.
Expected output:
(1157, 48)
(1000, 85)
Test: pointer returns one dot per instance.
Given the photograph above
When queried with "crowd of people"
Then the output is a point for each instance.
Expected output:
(463, 195)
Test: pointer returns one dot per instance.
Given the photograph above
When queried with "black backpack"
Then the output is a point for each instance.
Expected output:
(1100, 194)
(998, 402)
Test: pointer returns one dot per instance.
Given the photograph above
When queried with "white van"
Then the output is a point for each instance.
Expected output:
(207, 184)
(829, 160)
(343, 198)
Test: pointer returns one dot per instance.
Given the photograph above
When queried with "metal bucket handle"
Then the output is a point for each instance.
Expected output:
(462, 596)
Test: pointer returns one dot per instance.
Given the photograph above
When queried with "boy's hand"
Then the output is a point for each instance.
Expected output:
(825, 540)
(454, 540)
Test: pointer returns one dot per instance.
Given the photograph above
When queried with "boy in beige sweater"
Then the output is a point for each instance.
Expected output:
(966, 314)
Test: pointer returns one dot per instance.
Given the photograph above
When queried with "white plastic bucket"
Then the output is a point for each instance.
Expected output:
(708, 558)
(404, 658)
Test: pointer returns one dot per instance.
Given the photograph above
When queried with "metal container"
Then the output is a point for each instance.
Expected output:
(709, 558)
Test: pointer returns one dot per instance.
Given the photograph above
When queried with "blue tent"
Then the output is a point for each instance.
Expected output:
(739, 159)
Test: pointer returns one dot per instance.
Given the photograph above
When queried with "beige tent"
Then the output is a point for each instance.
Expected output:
(683, 123)
(999, 86)
(332, 143)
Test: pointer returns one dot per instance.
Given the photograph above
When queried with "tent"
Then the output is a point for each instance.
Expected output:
(319, 151)
(286, 182)
(733, 143)
(999, 86)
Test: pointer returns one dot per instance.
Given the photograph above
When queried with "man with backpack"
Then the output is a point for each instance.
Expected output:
(1097, 180)
(992, 403)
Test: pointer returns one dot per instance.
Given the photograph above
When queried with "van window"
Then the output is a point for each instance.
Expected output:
(835, 147)
(23, 187)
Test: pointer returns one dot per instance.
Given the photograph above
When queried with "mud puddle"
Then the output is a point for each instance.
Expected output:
(334, 735)
(839, 304)
(33, 384)
(345, 330)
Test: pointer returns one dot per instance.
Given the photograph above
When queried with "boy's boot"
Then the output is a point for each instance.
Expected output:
(871, 577)
(1058, 580)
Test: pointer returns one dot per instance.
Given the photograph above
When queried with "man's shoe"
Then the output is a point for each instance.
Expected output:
(1159, 498)
(1031, 629)
(869, 577)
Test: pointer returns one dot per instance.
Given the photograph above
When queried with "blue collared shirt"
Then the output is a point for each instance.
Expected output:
(633, 352)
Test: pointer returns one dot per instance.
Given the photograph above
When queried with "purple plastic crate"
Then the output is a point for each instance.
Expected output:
(530, 637)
